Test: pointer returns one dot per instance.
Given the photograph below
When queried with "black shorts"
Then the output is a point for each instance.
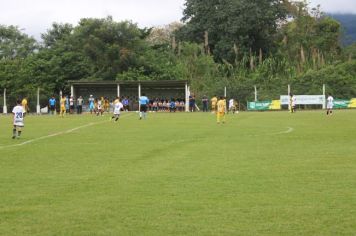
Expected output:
(143, 108)
(52, 108)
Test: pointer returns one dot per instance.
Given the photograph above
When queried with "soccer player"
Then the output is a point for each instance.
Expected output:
(63, 106)
(221, 109)
(91, 104)
(118, 106)
(213, 101)
(106, 104)
(143, 106)
(329, 105)
(24, 104)
(232, 106)
(293, 101)
(19, 114)
(99, 107)
(52, 105)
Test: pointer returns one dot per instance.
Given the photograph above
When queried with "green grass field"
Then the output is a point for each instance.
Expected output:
(180, 174)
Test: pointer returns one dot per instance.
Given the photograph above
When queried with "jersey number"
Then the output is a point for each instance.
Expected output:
(18, 115)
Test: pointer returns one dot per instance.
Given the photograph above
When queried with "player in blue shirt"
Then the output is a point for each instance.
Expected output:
(143, 106)
(91, 104)
(52, 105)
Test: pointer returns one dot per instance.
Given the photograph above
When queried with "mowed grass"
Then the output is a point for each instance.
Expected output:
(270, 173)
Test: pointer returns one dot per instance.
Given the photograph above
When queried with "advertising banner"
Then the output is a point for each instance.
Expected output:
(304, 99)
(344, 104)
(341, 104)
(352, 103)
(264, 105)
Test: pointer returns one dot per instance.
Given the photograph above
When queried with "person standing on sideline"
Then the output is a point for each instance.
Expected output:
(125, 103)
(52, 105)
(118, 106)
(213, 101)
(67, 104)
(143, 100)
(19, 114)
(80, 105)
(91, 104)
(71, 104)
(329, 105)
(221, 109)
(63, 106)
(192, 103)
(172, 105)
(205, 103)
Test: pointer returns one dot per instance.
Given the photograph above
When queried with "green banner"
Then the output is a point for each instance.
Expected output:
(341, 104)
(259, 106)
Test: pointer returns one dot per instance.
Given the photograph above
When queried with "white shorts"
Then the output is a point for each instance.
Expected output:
(329, 106)
(19, 124)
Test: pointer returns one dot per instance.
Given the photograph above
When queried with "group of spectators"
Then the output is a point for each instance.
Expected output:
(70, 105)
(232, 104)
(98, 106)
(165, 105)
(67, 104)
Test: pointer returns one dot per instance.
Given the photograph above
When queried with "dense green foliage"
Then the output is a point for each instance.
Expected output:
(233, 43)
(242, 24)
(180, 174)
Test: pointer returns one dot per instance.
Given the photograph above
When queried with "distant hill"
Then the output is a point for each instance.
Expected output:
(349, 23)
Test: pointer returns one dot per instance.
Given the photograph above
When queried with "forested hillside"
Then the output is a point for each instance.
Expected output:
(348, 22)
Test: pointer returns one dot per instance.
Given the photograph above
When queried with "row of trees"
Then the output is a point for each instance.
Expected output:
(233, 43)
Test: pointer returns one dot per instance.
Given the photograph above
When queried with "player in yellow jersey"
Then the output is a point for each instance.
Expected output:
(213, 101)
(24, 104)
(106, 104)
(221, 110)
(63, 106)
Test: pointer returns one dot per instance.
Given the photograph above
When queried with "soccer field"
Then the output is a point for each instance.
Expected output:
(272, 173)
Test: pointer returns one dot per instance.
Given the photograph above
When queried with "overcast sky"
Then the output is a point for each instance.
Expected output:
(36, 16)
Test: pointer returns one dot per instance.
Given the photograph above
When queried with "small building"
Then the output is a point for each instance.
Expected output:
(177, 89)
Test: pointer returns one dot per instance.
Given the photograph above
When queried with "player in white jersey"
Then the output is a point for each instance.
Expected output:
(232, 107)
(118, 106)
(329, 105)
(100, 110)
(19, 114)
(293, 103)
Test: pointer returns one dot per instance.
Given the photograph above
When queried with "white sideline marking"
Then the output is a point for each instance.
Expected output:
(56, 134)
(289, 130)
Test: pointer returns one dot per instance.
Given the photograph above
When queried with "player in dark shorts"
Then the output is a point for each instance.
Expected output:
(52, 105)
(143, 106)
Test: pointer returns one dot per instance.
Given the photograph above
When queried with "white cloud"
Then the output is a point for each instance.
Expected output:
(335, 6)
(36, 16)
